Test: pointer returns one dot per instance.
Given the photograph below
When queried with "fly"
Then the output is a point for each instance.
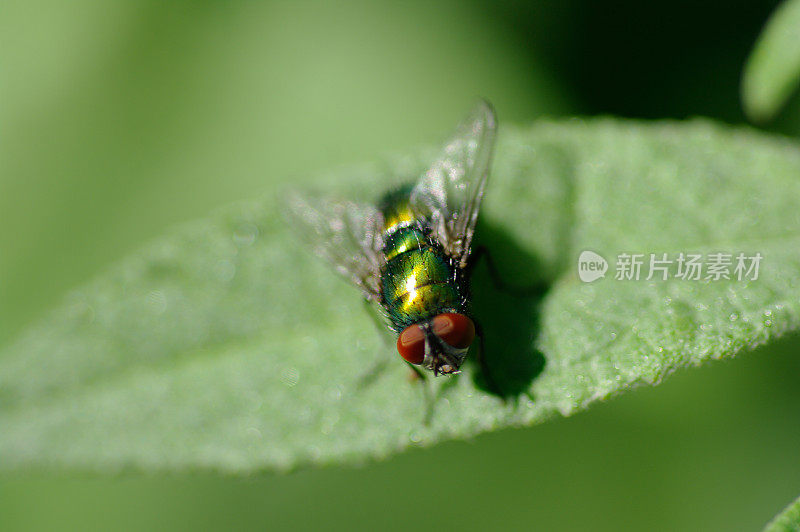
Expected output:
(410, 252)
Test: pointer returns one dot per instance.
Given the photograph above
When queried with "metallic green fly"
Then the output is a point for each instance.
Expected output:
(410, 252)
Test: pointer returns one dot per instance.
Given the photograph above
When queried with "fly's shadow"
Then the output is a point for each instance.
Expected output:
(507, 310)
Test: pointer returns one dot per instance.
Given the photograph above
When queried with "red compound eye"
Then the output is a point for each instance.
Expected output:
(455, 329)
(411, 344)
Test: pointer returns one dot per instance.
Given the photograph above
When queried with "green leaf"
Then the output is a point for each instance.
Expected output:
(772, 72)
(786, 521)
(224, 345)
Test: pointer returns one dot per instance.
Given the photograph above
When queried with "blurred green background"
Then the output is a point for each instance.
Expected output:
(121, 118)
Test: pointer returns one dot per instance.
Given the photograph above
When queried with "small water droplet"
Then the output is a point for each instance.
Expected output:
(245, 234)
(329, 423)
(314, 452)
(335, 394)
(225, 270)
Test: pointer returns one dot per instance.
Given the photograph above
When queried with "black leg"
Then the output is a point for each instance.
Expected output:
(419, 373)
(382, 360)
(486, 371)
(380, 325)
(373, 373)
(480, 252)
(427, 396)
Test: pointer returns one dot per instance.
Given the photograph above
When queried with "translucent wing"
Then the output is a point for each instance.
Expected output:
(345, 233)
(450, 192)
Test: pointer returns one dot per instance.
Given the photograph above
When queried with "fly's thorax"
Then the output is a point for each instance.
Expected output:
(396, 209)
(404, 239)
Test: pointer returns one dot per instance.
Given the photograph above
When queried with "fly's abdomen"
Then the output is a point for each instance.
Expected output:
(418, 283)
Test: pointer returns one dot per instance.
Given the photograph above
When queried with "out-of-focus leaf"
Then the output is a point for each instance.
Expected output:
(772, 72)
(225, 346)
(786, 521)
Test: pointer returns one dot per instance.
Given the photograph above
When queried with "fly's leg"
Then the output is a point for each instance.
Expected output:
(383, 331)
(486, 371)
(381, 362)
(427, 395)
(416, 373)
(536, 289)
(373, 373)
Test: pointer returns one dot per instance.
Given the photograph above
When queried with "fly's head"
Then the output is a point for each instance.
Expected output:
(440, 344)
